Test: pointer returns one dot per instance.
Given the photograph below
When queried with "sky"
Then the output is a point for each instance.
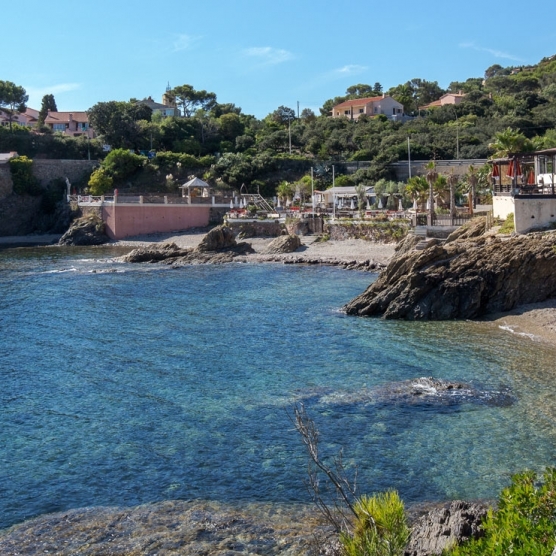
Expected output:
(260, 54)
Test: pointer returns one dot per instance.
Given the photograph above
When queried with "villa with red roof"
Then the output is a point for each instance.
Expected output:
(27, 119)
(371, 106)
(69, 123)
(448, 98)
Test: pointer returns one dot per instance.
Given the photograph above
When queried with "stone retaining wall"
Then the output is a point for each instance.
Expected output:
(74, 170)
(379, 232)
(6, 184)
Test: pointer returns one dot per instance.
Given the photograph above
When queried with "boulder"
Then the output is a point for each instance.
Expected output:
(221, 237)
(86, 230)
(283, 244)
(445, 527)
(462, 279)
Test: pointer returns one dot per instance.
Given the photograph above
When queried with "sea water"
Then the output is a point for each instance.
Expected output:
(123, 384)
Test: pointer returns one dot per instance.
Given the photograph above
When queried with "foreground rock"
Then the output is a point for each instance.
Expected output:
(283, 244)
(464, 278)
(87, 230)
(444, 527)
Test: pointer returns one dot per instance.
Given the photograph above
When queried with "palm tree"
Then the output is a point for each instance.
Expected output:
(452, 180)
(510, 141)
(417, 188)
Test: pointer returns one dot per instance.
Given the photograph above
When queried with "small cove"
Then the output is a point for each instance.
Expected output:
(127, 384)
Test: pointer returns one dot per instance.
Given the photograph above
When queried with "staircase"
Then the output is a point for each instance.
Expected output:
(257, 200)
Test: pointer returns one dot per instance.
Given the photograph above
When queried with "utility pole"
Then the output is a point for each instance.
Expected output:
(409, 157)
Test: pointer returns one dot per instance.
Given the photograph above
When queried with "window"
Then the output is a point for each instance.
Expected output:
(361, 110)
(347, 112)
(59, 127)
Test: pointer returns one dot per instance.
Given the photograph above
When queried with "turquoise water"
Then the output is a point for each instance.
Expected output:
(123, 384)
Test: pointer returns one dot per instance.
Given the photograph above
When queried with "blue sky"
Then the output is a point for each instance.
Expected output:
(260, 54)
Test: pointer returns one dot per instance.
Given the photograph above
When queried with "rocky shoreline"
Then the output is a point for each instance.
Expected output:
(177, 527)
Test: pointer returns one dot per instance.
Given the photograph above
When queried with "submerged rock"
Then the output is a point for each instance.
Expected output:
(86, 230)
(423, 390)
(462, 279)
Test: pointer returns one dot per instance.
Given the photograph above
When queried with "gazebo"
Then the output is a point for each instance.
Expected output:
(195, 183)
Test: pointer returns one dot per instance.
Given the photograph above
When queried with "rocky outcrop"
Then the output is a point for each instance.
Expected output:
(445, 527)
(221, 237)
(283, 244)
(462, 279)
(87, 230)
(217, 247)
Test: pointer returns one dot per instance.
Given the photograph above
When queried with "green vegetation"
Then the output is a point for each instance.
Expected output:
(508, 226)
(24, 182)
(380, 527)
(524, 523)
(507, 109)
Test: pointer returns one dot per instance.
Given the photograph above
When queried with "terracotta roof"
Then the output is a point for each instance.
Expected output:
(431, 104)
(359, 101)
(63, 117)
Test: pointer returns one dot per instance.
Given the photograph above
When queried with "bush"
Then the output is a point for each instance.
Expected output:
(24, 182)
(508, 226)
(100, 182)
(380, 527)
(121, 164)
(524, 523)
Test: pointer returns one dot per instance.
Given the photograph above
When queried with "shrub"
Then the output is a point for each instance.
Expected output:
(24, 182)
(122, 164)
(380, 527)
(100, 182)
(524, 523)
(508, 225)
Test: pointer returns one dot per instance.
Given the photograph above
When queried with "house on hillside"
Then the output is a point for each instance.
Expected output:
(371, 106)
(167, 108)
(70, 123)
(27, 119)
(448, 98)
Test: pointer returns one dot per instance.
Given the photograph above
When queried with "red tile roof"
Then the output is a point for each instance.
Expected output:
(358, 102)
(63, 117)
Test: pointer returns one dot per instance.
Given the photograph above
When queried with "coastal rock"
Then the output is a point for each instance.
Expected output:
(87, 230)
(283, 244)
(462, 279)
(444, 527)
(221, 237)
(155, 254)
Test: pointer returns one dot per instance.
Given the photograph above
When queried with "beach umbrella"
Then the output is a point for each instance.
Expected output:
(278, 203)
(531, 177)
(428, 204)
(514, 169)
(352, 206)
(415, 204)
(495, 171)
(368, 204)
(380, 203)
(400, 206)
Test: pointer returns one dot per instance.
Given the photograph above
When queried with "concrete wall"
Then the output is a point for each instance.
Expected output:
(502, 205)
(131, 220)
(534, 213)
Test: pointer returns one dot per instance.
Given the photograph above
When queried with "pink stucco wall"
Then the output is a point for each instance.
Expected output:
(131, 220)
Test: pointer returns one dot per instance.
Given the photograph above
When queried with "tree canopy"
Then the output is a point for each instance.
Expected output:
(13, 99)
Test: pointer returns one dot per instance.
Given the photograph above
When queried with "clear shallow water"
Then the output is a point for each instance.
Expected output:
(124, 384)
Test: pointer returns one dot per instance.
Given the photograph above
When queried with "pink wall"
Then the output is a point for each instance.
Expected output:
(131, 220)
